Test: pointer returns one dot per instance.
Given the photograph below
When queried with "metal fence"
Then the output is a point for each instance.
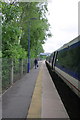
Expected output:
(13, 70)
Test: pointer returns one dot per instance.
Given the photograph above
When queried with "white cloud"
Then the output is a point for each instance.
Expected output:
(64, 23)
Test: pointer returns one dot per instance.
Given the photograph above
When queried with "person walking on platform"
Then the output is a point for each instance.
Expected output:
(36, 63)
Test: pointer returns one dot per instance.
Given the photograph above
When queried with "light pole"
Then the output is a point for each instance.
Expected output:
(28, 65)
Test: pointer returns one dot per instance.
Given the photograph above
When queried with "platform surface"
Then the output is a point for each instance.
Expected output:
(16, 100)
(34, 96)
(46, 102)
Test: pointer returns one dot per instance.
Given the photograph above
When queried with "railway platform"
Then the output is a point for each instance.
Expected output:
(34, 96)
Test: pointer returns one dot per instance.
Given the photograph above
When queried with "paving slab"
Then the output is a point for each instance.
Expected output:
(52, 106)
(34, 96)
(46, 102)
(17, 99)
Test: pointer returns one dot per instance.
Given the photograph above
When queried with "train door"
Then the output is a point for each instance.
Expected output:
(54, 59)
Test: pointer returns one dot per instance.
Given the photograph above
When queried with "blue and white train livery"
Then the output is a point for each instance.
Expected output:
(66, 63)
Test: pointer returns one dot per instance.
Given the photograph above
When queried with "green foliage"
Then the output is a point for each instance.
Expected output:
(5, 73)
(11, 30)
(42, 57)
(15, 23)
(38, 26)
(17, 52)
(17, 18)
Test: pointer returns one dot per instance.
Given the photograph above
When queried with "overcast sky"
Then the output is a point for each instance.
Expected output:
(64, 23)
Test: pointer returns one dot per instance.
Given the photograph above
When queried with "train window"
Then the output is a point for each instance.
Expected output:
(69, 59)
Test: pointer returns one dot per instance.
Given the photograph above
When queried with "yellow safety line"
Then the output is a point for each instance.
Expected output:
(35, 106)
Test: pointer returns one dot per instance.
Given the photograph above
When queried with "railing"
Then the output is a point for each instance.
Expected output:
(13, 70)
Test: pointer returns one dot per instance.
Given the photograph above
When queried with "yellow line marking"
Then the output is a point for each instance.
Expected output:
(35, 106)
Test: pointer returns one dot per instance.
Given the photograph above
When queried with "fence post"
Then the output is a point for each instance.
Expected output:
(12, 71)
(0, 76)
(22, 67)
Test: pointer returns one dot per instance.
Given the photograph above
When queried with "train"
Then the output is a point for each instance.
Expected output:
(65, 62)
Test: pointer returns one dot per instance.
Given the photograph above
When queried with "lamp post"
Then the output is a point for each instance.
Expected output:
(28, 65)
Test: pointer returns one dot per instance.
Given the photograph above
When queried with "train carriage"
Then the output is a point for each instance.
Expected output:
(66, 63)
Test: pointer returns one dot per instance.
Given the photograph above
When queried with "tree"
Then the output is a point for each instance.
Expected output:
(38, 27)
(15, 22)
